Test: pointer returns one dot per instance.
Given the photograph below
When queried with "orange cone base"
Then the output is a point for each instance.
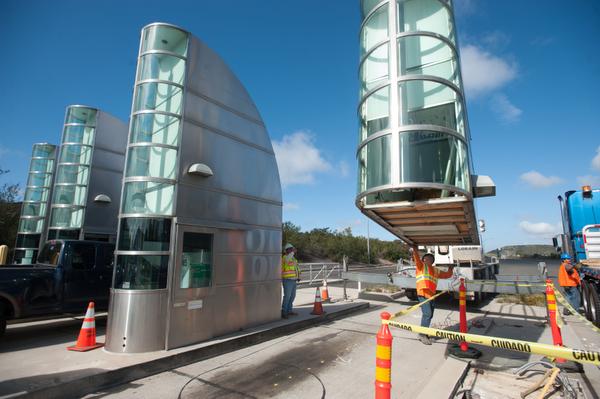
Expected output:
(84, 348)
(325, 295)
(317, 309)
(457, 352)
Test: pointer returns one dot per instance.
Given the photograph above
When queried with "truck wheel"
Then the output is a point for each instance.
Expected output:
(411, 294)
(594, 305)
(585, 299)
(2, 325)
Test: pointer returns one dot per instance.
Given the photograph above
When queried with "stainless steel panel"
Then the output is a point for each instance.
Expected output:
(201, 110)
(202, 207)
(111, 133)
(103, 217)
(244, 170)
(210, 76)
(136, 321)
(240, 269)
(228, 309)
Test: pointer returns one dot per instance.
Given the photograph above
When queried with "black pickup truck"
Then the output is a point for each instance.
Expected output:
(68, 274)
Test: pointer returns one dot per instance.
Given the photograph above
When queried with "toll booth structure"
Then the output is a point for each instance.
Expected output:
(415, 175)
(199, 242)
(36, 201)
(87, 186)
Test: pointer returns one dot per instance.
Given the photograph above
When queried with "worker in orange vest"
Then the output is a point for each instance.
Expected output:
(569, 280)
(427, 276)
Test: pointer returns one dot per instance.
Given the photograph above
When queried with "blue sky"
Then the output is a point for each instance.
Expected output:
(531, 71)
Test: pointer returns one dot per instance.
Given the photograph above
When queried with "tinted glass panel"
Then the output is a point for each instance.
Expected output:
(163, 67)
(28, 240)
(148, 198)
(375, 29)
(43, 150)
(25, 256)
(36, 194)
(70, 195)
(33, 209)
(374, 163)
(425, 15)
(374, 69)
(79, 134)
(66, 217)
(155, 128)
(434, 157)
(141, 272)
(39, 179)
(160, 37)
(81, 115)
(375, 112)
(145, 234)
(152, 161)
(63, 234)
(158, 97)
(72, 174)
(31, 225)
(41, 165)
(424, 55)
(75, 154)
(196, 260)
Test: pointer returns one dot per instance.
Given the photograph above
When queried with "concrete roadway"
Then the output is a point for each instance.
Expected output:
(336, 360)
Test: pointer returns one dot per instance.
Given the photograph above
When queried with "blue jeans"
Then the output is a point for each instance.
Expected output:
(573, 296)
(289, 294)
(426, 311)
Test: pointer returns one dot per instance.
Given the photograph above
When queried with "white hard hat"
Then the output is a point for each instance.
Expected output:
(288, 246)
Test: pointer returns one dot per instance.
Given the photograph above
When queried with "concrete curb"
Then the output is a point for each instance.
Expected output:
(447, 379)
(380, 296)
(89, 384)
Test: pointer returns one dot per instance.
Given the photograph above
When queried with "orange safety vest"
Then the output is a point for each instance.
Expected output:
(568, 280)
(289, 269)
(427, 277)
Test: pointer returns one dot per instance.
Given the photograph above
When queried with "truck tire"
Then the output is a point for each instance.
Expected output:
(2, 325)
(594, 304)
(411, 294)
(585, 299)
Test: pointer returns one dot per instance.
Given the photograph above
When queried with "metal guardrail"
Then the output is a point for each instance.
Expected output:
(318, 272)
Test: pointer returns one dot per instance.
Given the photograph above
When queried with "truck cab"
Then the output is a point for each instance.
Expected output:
(68, 274)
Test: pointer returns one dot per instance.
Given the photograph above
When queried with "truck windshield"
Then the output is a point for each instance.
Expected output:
(50, 253)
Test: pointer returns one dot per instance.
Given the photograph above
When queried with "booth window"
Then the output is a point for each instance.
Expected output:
(196, 260)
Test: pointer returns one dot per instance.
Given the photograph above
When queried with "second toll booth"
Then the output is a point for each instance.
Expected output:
(199, 242)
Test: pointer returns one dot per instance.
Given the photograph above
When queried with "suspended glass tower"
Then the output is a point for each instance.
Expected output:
(413, 155)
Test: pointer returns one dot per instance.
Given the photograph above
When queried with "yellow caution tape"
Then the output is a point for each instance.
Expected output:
(577, 355)
(504, 283)
(415, 307)
(563, 301)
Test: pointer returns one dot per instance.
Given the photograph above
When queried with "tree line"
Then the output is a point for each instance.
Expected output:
(324, 243)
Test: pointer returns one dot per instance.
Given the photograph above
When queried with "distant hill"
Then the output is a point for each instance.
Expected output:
(524, 251)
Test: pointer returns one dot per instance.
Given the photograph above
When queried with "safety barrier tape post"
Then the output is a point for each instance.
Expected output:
(551, 305)
(576, 355)
(462, 305)
(383, 359)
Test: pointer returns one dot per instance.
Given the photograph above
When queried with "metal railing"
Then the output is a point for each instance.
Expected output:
(317, 272)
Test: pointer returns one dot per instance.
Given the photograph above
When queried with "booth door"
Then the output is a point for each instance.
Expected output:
(192, 283)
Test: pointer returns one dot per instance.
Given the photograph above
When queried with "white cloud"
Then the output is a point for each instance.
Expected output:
(344, 168)
(505, 109)
(484, 72)
(596, 160)
(3, 151)
(290, 206)
(589, 180)
(496, 39)
(539, 229)
(464, 7)
(299, 159)
(538, 180)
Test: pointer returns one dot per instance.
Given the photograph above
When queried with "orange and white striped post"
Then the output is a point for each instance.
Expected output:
(383, 362)
(462, 306)
(551, 304)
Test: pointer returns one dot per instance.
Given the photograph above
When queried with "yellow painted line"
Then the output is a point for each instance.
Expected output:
(577, 355)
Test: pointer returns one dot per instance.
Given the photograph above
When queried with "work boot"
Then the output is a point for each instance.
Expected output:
(424, 339)
(567, 312)
(292, 314)
(284, 315)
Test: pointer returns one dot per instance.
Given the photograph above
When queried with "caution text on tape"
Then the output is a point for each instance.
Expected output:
(577, 355)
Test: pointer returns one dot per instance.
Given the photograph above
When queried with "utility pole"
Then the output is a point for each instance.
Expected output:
(368, 244)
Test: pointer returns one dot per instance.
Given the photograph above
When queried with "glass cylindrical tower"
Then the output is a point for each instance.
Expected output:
(73, 173)
(413, 134)
(148, 199)
(35, 203)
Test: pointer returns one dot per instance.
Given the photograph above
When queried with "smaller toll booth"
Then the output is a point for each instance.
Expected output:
(87, 187)
(199, 242)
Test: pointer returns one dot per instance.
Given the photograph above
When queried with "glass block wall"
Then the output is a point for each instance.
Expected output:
(72, 173)
(148, 199)
(35, 203)
(413, 130)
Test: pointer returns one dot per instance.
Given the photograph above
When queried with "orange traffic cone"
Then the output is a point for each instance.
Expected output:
(87, 334)
(325, 292)
(318, 306)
